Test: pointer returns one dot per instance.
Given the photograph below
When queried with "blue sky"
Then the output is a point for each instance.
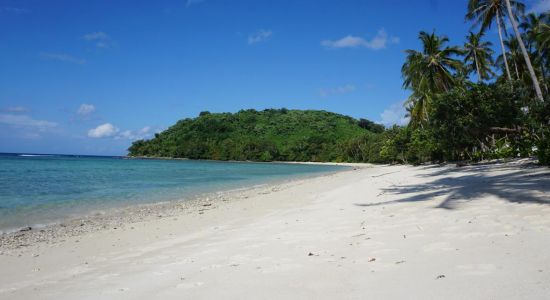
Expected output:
(89, 77)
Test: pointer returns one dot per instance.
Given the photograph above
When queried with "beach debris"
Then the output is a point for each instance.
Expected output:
(440, 277)
(207, 204)
(399, 262)
(404, 236)
(372, 259)
(28, 228)
(312, 254)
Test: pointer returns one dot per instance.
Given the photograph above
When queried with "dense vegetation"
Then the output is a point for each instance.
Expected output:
(465, 104)
(272, 134)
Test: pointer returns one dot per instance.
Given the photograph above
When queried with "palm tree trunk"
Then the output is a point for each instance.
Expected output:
(542, 72)
(499, 25)
(515, 67)
(479, 79)
(524, 51)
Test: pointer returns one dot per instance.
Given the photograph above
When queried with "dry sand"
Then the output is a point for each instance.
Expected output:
(384, 232)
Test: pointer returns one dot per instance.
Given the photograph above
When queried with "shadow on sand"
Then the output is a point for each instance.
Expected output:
(516, 183)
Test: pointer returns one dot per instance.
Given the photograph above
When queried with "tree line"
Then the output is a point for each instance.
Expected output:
(466, 103)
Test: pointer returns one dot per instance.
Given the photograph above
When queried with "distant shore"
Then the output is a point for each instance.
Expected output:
(439, 232)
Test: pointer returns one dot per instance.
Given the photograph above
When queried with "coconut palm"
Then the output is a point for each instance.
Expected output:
(429, 72)
(512, 17)
(532, 25)
(417, 106)
(478, 56)
(485, 12)
(513, 57)
(543, 37)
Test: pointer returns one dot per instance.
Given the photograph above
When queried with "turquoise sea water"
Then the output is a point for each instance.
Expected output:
(41, 189)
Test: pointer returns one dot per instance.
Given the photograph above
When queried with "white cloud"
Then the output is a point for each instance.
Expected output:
(541, 6)
(103, 130)
(16, 109)
(259, 36)
(100, 38)
(85, 109)
(63, 58)
(395, 114)
(145, 129)
(133, 135)
(348, 88)
(192, 2)
(380, 41)
(24, 121)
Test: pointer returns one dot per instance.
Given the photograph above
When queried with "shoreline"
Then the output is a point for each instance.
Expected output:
(427, 232)
(117, 217)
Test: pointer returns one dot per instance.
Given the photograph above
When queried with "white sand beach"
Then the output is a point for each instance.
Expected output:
(377, 232)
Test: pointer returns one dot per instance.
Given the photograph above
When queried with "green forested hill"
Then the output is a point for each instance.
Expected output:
(272, 134)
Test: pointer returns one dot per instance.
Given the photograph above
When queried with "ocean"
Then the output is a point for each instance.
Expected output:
(44, 189)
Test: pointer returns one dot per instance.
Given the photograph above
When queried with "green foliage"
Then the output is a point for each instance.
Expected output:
(394, 145)
(468, 121)
(429, 72)
(272, 134)
(451, 117)
(478, 56)
(543, 149)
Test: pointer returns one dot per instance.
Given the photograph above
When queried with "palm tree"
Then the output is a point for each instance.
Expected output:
(512, 18)
(429, 72)
(514, 58)
(484, 13)
(532, 25)
(479, 56)
(543, 36)
(417, 108)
